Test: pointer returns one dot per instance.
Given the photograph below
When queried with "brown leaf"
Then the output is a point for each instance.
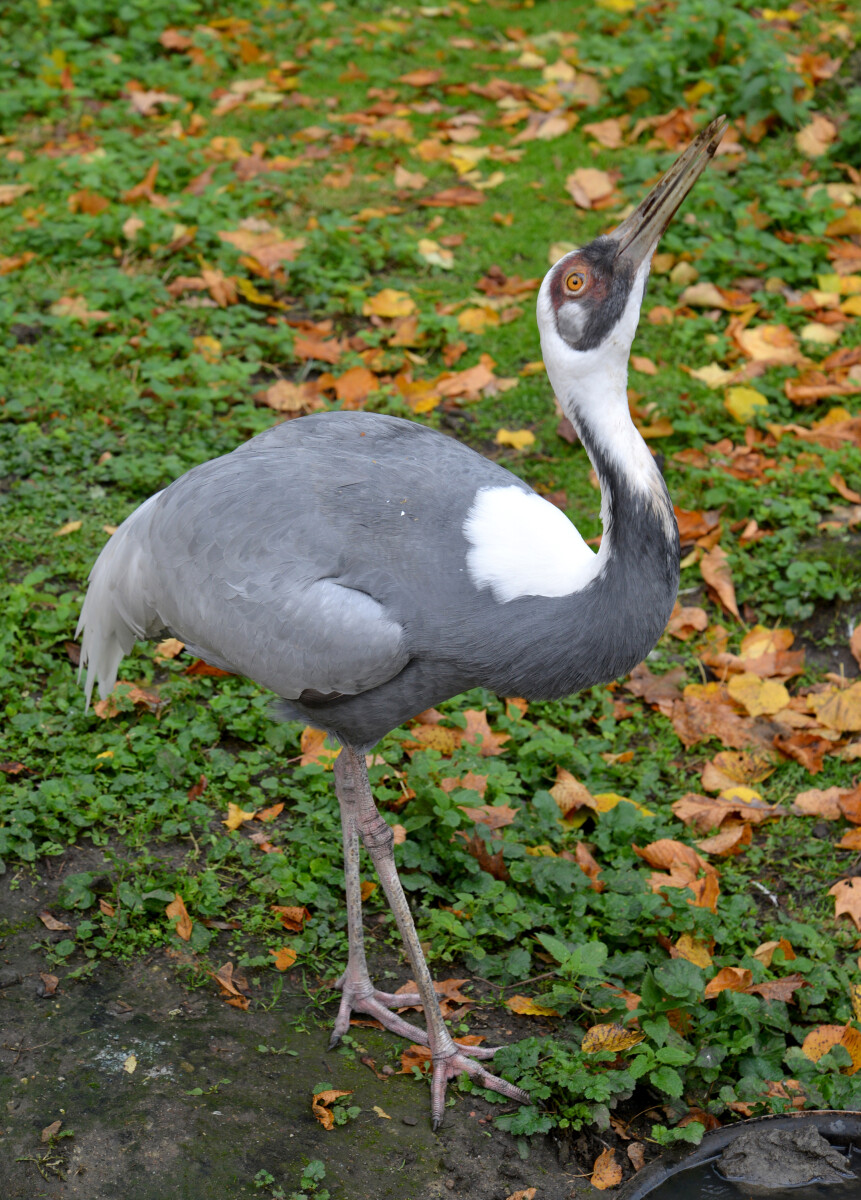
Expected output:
(637, 1155)
(321, 1106)
(494, 816)
(855, 644)
(685, 622)
(847, 899)
(50, 1131)
(421, 77)
(49, 983)
(606, 1172)
(704, 813)
(666, 854)
(818, 802)
(177, 908)
(714, 568)
(51, 922)
(415, 1056)
(730, 841)
(230, 982)
(493, 864)
(806, 748)
(589, 866)
(765, 952)
(293, 917)
(570, 794)
(87, 202)
(478, 733)
(590, 187)
(145, 190)
(779, 989)
(199, 667)
(461, 196)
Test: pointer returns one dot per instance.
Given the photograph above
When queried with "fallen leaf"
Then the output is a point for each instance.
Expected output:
(765, 952)
(590, 187)
(816, 137)
(523, 1194)
(818, 802)
(847, 899)
(314, 749)
(283, 958)
(69, 527)
(743, 404)
(389, 303)
(494, 816)
(757, 695)
(321, 1106)
(613, 1038)
(10, 192)
(292, 916)
(695, 951)
(839, 709)
(825, 1037)
(589, 866)
(606, 1172)
(528, 1008)
(733, 979)
(75, 308)
(50, 1131)
(177, 908)
(130, 1064)
(478, 733)
(49, 983)
(367, 889)
(519, 439)
(51, 922)
(236, 816)
(714, 568)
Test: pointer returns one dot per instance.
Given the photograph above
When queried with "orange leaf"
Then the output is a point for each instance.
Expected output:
(314, 749)
(527, 1007)
(825, 1037)
(284, 958)
(292, 917)
(176, 908)
(732, 979)
(714, 568)
(478, 733)
(606, 1173)
(320, 1106)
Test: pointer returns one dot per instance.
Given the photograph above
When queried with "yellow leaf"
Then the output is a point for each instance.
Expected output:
(613, 1037)
(476, 320)
(844, 285)
(208, 347)
(389, 303)
(855, 1000)
(69, 527)
(821, 335)
(253, 295)
(528, 1008)
(757, 695)
(713, 375)
(604, 801)
(694, 951)
(130, 1064)
(380, 1113)
(852, 306)
(518, 438)
(694, 94)
(825, 1037)
(435, 254)
(743, 403)
(236, 817)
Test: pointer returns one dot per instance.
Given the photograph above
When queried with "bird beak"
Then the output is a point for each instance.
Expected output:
(639, 234)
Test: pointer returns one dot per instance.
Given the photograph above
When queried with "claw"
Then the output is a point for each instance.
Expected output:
(455, 1064)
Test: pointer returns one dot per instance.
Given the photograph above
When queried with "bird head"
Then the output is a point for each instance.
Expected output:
(589, 302)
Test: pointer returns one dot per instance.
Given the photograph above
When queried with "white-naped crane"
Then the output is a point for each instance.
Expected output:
(365, 568)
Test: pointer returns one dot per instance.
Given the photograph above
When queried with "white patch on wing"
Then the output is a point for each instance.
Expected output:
(522, 545)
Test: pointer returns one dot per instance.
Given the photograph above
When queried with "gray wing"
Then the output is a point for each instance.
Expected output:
(306, 560)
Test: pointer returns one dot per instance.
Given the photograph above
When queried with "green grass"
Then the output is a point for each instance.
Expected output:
(99, 414)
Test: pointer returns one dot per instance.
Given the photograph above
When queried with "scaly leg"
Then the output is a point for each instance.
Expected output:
(358, 993)
(361, 816)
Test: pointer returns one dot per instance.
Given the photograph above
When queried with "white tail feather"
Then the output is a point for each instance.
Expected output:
(116, 611)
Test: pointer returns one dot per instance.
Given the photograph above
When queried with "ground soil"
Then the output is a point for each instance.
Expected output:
(141, 1136)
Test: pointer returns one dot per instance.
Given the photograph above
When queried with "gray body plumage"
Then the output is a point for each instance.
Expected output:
(326, 560)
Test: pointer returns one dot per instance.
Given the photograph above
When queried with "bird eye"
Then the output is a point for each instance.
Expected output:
(575, 282)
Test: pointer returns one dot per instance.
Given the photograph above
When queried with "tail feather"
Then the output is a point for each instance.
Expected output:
(116, 611)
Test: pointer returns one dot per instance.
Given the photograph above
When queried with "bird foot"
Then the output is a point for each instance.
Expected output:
(460, 1061)
(379, 1005)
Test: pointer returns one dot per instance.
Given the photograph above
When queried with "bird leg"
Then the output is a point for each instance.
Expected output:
(358, 993)
(360, 816)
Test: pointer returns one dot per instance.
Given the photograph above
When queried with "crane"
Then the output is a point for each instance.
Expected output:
(365, 568)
